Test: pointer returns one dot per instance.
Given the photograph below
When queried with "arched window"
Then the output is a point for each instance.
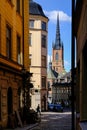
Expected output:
(56, 56)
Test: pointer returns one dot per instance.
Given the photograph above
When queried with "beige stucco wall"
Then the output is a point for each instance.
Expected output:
(37, 51)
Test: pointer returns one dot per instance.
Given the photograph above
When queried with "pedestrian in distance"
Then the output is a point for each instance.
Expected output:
(38, 109)
(38, 113)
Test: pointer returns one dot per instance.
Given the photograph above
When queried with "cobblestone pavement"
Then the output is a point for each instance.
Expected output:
(54, 121)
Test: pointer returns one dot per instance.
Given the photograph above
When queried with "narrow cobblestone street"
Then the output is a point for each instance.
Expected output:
(54, 121)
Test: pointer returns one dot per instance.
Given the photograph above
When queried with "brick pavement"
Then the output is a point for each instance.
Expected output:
(55, 121)
(50, 121)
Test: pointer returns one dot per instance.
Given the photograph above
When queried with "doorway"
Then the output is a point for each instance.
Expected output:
(9, 101)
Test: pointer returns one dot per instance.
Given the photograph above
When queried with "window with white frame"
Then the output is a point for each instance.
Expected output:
(31, 23)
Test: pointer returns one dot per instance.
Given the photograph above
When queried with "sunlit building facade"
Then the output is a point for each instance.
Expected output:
(38, 34)
(14, 53)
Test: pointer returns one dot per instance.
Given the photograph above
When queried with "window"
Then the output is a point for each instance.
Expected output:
(44, 26)
(44, 61)
(18, 50)
(30, 39)
(30, 58)
(56, 56)
(44, 41)
(8, 42)
(31, 24)
(48, 84)
(18, 6)
(43, 82)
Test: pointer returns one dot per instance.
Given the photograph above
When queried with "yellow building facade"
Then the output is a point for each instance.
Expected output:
(14, 54)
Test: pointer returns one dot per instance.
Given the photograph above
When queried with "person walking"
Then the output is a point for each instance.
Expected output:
(38, 109)
(38, 113)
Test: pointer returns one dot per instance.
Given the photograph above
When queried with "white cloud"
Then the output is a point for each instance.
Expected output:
(49, 58)
(67, 65)
(52, 15)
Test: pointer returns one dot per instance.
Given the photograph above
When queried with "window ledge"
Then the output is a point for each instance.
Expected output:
(83, 125)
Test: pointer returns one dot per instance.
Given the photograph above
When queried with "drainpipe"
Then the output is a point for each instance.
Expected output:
(23, 29)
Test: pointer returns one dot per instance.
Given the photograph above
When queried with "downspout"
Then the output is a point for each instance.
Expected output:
(23, 29)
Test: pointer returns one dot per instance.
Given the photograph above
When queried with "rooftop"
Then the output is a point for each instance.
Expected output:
(35, 9)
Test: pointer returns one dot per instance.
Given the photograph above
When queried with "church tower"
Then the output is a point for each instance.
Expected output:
(57, 51)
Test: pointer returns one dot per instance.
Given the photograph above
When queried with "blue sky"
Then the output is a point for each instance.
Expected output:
(51, 8)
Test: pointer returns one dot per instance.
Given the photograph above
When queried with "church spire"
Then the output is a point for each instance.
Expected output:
(58, 44)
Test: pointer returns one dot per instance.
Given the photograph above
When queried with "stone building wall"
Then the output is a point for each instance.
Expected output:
(13, 81)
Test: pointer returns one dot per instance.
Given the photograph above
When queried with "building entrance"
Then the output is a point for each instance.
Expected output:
(9, 101)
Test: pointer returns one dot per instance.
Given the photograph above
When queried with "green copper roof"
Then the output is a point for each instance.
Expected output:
(62, 73)
(51, 74)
